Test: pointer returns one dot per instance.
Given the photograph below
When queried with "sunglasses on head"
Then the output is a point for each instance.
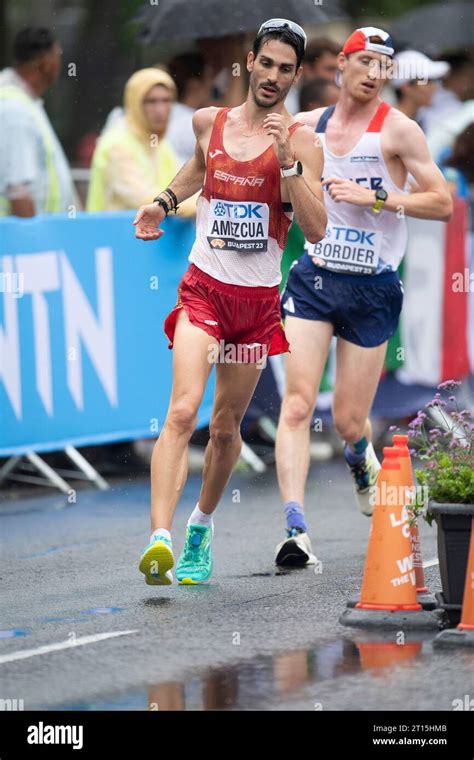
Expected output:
(275, 24)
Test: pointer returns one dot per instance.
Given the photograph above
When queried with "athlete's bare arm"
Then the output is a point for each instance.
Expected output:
(305, 193)
(187, 182)
(403, 141)
(432, 200)
(310, 118)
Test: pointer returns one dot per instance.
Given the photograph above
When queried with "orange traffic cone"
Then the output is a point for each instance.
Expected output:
(427, 600)
(463, 635)
(388, 594)
(467, 616)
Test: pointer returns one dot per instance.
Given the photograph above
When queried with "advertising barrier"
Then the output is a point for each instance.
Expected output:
(83, 356)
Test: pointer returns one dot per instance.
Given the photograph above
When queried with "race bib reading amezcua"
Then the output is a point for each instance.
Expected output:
(238, 226)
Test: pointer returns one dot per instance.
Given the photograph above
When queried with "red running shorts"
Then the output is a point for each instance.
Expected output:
(244, 320)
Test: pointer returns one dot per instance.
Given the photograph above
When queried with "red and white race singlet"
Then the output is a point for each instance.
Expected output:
(241, 224)
(358, 241)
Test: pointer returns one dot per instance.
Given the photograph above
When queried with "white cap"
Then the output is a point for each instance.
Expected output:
(412, 65)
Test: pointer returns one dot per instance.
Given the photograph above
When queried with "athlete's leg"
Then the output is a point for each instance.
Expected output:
(309, 342)
(358, 372)
(235, 384)
(191, 369)
(357, 376)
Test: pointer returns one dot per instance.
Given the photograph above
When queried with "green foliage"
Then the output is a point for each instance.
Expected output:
(450, 482)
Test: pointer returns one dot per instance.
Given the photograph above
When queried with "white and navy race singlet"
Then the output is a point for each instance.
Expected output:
(358, 241)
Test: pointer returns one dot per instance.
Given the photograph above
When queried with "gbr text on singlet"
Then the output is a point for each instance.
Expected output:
(238, 225)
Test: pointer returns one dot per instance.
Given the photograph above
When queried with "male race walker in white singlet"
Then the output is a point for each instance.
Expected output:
(347, 284)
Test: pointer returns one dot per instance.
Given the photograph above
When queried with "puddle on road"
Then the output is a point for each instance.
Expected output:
(13, 633)
(82, 615)
(246, 684)
(103, 610)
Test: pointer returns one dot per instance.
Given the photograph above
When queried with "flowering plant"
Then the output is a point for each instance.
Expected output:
(447, 451)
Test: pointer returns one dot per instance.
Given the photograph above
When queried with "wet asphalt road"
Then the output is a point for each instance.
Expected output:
(255, 638)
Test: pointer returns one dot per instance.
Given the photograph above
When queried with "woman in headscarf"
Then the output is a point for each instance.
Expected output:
(133, 158)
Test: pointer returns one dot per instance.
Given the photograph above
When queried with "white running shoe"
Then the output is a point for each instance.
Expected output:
(365, 476)
(295, 550)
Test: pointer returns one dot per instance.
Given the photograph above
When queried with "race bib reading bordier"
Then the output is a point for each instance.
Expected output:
(348, 249)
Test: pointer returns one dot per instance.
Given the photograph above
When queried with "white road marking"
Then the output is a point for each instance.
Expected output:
(69, 644)
(431, 562)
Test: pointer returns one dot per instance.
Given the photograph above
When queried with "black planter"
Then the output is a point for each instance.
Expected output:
(454, 523)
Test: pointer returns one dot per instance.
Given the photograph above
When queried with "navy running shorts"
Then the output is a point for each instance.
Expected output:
(364, 309)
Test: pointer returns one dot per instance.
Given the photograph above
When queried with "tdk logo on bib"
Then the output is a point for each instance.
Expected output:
(237, 226)
(238, 210)
(351, 235)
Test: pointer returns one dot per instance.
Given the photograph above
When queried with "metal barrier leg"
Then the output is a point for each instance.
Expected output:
(267, 427)
(85, 467)
(9, 465)
(278, 368)
(48, 472)
(446, 422)
(252, 459)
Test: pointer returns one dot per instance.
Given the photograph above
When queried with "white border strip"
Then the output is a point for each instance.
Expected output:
(70, 644)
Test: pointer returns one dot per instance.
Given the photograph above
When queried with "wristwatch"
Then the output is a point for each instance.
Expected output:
(292, 171)
(381, 196)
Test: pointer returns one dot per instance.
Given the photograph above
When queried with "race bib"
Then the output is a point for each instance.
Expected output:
(238, 226)
(348, 249)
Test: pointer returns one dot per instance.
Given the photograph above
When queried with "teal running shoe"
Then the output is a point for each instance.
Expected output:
(195, 564)
(156, 562)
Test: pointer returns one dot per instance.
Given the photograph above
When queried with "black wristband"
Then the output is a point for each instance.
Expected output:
(161, 202)
(173, 198)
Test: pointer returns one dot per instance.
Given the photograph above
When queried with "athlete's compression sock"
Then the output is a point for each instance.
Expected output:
(355, 452)
(295, 516)
(160, 533)
(200, 518)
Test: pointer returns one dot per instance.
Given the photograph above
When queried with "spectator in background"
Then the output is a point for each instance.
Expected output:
(415, 81)
(442, 138)
(458, 167)
(226, 56)
(193, 79)
(34, 173)
(458, 86)
(318, 93)
(320, 62)
(133, 157)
